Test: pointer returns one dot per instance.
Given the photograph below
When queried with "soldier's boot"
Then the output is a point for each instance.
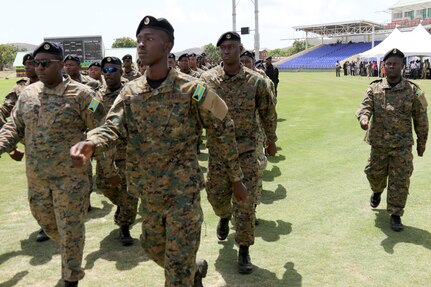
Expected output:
(223, 228)
(125, 237)
(244, 262)
(396, 224)
(201, 272)
(375, 199)
(41, 236)
(70, 283)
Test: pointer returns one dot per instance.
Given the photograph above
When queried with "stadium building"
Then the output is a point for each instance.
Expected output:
(343, 41)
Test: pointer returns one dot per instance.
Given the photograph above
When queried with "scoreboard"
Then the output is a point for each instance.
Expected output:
(87, 48)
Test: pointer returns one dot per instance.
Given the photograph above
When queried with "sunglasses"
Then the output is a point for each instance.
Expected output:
(109, 70)
(44, 63)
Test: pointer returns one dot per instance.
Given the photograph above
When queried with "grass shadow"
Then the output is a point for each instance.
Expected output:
(270, 175)
(269, 197)
(410, 234)
(125, 257)
(39, 252)
(271, 231)
(277, 157)
(14, 280)
(226, 265)
(97, 212)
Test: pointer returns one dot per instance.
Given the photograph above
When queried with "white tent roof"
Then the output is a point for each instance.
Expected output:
(413, 43)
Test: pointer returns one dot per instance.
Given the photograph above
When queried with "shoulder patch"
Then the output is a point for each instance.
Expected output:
(199, 92)
(93, 105)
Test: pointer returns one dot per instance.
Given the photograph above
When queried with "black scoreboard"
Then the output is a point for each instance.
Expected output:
(87, 48)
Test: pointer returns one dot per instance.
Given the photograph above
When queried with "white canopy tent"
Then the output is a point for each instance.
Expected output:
(413, 43)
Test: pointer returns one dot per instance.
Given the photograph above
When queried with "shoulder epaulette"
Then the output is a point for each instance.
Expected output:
(376, 81)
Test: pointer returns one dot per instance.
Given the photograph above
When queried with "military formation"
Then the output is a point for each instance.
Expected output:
(143, 127)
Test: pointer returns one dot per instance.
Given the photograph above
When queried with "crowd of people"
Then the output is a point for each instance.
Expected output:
(142, 126)
(414, 69)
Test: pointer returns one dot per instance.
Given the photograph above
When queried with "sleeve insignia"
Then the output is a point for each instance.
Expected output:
(93, 105)
(197, 96)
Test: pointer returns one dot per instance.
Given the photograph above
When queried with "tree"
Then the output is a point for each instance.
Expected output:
(7, 55)
(124, 42)
(212, 52)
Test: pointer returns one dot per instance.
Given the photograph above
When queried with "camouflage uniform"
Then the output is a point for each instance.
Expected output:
(133, 74)
(244, 94)
(161, 126)
(391, 110)
(127, 204)
(48, 120)
(11, 99)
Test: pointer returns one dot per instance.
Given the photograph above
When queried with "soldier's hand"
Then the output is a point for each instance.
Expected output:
(81, 152)
(271, 148)
(16, 154)
(420, 149)
(364, 123)
(114, 180)
(239, 191)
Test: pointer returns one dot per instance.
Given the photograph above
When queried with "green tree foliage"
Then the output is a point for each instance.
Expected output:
(297, 47)
(212, 52)
(7, 55)
(124, 42)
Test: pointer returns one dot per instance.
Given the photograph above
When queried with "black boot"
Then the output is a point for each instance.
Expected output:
(125, 237)
(41, 236)
(375, 199)
(396, 224)
(201, 272)
(223, 228)
(244, 262)
(70, 283)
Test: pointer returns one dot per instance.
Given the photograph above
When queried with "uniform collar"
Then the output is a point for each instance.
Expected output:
(225, 77)
(166, 86)
(58, 90)
(399, 86)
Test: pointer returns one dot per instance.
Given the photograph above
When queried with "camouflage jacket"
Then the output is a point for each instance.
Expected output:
(245, 94)
(130, 76)
(51, 121)
(108, 100)
(11, 99)
(391, 110)
(162, 127)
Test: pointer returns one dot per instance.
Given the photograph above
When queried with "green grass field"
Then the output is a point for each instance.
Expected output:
(316, 225)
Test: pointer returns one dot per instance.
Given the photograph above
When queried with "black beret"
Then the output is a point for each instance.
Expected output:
(171, 56)
(394, 52)
(72, 58)
(234, 36)
(159, 24)
(182, 56)
(268, 58)
(247, 54)
(50, 48)
(28, 56)
(95, 64)
(111, 60)
(127, 57)
(203, 54)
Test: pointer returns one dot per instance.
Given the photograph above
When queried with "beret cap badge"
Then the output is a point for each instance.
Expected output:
(228, 36)
(47, 46)
(108, 59)
(146, 21)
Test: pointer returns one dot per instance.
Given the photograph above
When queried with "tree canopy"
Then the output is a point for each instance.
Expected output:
(124, 42)
(212, 52)
(7, 55)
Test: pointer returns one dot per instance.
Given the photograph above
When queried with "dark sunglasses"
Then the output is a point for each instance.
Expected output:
(44, 63)
(109, 70)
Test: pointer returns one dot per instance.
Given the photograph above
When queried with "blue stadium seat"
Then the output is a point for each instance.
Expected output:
(326, 56)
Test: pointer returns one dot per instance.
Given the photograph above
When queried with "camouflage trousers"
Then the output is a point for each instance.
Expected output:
(391, 167)
(127, 205)
(60, 206)
(219, 192)
(171, 230)
(262, 161)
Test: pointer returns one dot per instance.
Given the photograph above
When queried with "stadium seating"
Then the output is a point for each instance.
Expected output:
(326, 56)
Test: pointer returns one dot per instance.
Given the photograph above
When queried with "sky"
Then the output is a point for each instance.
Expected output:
(196, 22)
